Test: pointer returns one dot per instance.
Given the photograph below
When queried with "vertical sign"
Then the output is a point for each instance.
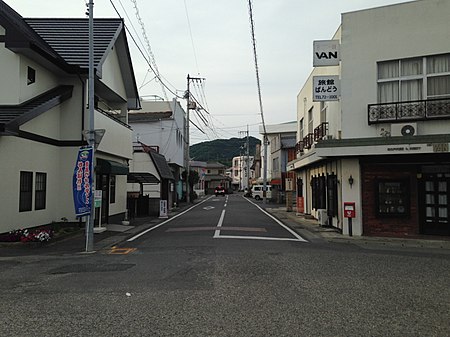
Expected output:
(326, 53)
(326, 88)
(82, 182)
(163, 209)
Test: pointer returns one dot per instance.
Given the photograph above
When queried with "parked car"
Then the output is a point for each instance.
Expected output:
(220, 190)
(257, 192)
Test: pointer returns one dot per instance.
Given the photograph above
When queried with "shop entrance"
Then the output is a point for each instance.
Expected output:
(434, 191)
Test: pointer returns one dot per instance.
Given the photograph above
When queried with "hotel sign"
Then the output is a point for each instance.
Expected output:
(326, 53)
(326, 88)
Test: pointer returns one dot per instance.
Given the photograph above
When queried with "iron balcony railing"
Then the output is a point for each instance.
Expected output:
(430, 109)
(299, 147)
(308, 141)
(320, 131)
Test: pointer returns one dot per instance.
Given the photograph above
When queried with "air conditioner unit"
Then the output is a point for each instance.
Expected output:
(404, 129)
(322, 217)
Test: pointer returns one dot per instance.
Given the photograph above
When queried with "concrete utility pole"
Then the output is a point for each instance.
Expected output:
(247, 165)
(91, 138)
(190, 105)
(248, 159)
(266, 143)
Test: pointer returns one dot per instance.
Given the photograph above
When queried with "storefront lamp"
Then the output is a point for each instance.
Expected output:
(350, 181)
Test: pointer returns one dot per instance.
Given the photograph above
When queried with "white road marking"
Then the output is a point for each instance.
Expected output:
(164, 222)
(208, 208)
(255, 238)
(298, 237)
(217, 232)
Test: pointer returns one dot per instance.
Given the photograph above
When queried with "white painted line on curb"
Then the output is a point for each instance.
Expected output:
(164, 222)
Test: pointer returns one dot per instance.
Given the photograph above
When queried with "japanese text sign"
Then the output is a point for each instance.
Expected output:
(82, 182)
(326, 88)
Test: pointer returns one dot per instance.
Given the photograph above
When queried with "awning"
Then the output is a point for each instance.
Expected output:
(275, 182)
(142, 178)
(111, 167)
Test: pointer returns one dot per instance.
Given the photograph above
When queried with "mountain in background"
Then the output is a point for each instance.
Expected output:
(222, 150)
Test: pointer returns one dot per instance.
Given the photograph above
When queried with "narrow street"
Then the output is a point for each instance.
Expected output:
(226, 268)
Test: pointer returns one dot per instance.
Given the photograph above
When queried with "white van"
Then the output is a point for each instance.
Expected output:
(257, 192)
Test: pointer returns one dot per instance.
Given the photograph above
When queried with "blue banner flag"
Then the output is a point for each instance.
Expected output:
(82, 182)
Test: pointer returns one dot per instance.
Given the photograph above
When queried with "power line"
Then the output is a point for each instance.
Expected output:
(190, 33)
(158, 76)
(147, 42)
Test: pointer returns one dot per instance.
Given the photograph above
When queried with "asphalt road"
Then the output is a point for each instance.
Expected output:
(226, 268)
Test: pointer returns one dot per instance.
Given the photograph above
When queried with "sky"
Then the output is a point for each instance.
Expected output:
(211, 39)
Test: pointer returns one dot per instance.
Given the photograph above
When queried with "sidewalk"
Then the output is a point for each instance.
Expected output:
(303, 225)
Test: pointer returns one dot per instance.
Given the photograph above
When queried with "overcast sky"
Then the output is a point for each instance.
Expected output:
(211, 39)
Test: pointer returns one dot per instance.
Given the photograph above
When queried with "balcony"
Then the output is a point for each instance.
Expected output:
(308, 141)
(431, 109)
(320, 131)
(299, 147)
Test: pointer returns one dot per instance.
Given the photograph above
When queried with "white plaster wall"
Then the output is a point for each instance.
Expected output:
(143, 163)
(350, 167)
(117, 138)
(111, 74)
(163, 133)
(10, 64)
(23, 155)
(417, 28)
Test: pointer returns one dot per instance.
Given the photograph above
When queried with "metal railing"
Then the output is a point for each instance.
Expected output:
(409, 111)
(320, 131)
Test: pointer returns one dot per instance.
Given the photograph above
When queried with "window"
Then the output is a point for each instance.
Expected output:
(414, 79)
(318, 189)
(31, 76)
(323, 112)
(302, 131)
(26, 191)
(40, 191)
(310, 120)
(112, 189)
(393, 197)
(276, 164)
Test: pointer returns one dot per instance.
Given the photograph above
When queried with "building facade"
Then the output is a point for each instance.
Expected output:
(43, 113)
(241, 180)
(161, 125)
(384, 146)
(281, 150)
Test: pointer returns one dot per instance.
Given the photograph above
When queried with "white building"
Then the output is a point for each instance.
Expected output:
(385, 145)
(43, 111)
(280, 150)
(240, 181)
(161, 125)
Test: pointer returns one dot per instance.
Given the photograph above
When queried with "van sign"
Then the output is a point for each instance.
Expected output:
(326, 53)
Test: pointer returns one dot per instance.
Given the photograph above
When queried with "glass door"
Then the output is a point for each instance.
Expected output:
(435, 210)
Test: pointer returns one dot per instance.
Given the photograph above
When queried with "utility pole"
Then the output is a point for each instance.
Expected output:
(91, 138)
(190, 105)
(248, 160)
(266, 143)
(247, 154)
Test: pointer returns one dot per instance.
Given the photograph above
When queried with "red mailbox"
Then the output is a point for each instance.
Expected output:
(349, 210)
